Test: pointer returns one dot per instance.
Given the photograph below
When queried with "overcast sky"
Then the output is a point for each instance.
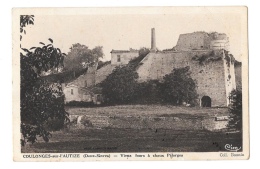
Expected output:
(128, 31)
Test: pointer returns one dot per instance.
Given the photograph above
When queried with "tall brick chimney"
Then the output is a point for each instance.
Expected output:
(153, 41)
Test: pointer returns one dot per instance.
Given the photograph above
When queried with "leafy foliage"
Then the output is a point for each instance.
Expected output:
(80, 56)
(235, 110)
(43, 58)
(179, 87)
(102, 64)
(119, 87)
(41, 102)
(24, 21)
(149, 92)
(205, 58)
(229, 58)
(142, 53)
(42, 109)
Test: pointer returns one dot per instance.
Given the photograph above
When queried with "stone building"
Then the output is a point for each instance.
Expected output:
(205, 53)
(83, 89)
(76, 93)
(122, 57)
(118, 58)
(215, 76)
(202, 41)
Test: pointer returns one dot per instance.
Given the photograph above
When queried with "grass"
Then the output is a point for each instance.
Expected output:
(139, 110)
(135, 140)
(141, 128)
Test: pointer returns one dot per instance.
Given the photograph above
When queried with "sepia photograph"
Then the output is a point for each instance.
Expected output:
(136, 83)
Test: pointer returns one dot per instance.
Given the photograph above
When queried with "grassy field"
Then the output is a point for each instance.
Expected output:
(139, 110)
(134, 140)
(141, 128)
(152, 117)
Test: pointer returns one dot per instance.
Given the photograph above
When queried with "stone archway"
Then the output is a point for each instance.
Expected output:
(205, 101)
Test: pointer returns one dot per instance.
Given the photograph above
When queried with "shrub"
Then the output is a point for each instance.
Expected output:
(54, 124)
(235, 110)
(120, 86)
(42, 110)
(179, 87)
(149, 92)
(142, 53)
(81, 104)
(102, 64)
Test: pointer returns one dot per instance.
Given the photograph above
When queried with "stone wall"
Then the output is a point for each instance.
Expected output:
(230, 81)
(87, 79)
(202, 40)
(215, 78)
(69, 96)
(210, 76)
(191, 41)
(78, 85)
(103, 72)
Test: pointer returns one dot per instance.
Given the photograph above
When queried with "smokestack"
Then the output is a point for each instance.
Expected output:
(153, 42)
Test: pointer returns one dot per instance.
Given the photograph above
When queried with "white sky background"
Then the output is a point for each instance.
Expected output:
(128, 31)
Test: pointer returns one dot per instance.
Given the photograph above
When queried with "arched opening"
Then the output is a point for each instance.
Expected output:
(205, 101)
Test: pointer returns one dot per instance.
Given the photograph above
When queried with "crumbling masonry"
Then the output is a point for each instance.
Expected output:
(206, 55)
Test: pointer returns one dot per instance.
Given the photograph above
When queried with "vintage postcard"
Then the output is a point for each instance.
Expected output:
(130, 83)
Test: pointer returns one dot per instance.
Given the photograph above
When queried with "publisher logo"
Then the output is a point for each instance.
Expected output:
(230, 147)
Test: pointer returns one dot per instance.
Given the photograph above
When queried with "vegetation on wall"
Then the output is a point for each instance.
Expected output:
(136, 61)
(229, 58)
(214, 56)
(206, 58)
(237, 63)
(102, 64)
